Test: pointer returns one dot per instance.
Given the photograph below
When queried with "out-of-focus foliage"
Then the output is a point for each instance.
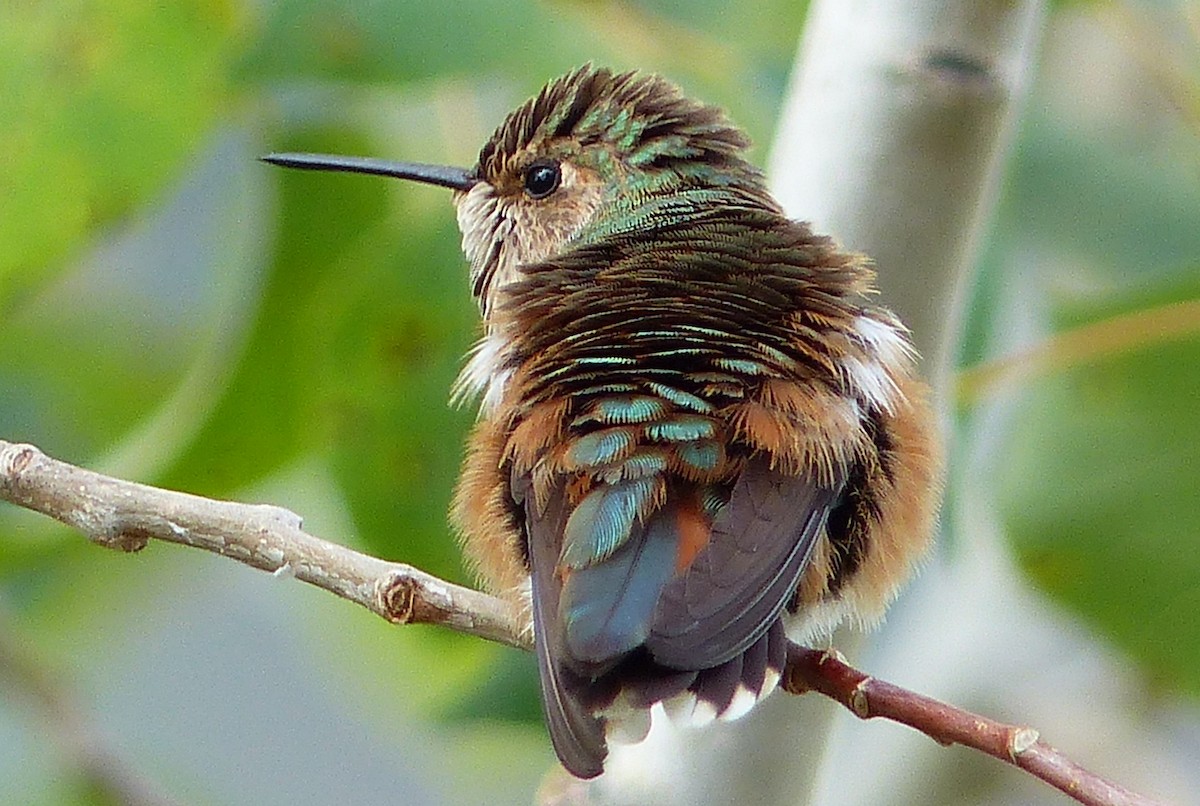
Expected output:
(1098, 230)
(100, 105)
(176, 312)
(1101, 476)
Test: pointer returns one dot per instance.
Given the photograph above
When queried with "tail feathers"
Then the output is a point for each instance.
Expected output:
(730, 690)
(726, 691)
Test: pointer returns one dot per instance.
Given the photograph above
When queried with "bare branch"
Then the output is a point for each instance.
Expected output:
(124, 515)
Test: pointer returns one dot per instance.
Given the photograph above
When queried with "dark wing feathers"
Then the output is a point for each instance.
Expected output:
(761, 542)
(577, 735)
(693, 626)
(719, 685)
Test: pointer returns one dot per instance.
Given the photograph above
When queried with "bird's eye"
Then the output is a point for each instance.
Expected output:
(542, 178)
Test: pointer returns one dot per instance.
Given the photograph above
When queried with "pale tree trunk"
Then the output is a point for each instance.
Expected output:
(892, 139)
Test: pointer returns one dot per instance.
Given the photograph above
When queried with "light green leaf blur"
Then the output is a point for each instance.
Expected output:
(100, 105)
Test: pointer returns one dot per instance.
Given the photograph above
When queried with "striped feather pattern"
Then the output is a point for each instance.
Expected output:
(697, 427)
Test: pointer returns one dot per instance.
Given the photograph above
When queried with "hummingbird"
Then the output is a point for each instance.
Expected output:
(699, 435)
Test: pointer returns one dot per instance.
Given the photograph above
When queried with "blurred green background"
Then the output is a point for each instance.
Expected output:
(174, 312)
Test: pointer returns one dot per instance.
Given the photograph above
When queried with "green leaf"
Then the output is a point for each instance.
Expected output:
(400, 324)
(509, 692)
(99, 104)
(1100, 494)
(375, 43)
(265, 416)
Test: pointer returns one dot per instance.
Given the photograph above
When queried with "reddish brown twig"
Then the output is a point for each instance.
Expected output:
(867, 697)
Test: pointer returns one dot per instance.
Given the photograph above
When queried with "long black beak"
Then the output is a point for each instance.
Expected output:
(441, 175)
